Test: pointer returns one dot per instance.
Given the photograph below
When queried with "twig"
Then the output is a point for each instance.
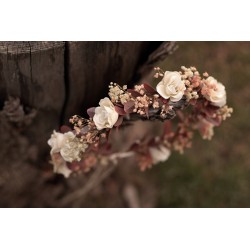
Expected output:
(97, 177)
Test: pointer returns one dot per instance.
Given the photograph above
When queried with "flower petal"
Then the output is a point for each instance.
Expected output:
(161, 90)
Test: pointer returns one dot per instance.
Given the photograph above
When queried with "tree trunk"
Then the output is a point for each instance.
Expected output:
(41, 85)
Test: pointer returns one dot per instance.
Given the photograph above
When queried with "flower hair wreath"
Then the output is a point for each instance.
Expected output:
(202, 98)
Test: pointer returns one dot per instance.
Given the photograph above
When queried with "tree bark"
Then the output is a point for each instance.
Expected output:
(41, 85)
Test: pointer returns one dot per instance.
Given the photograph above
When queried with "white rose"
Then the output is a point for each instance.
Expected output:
(67, 145)
(105, 115)
(171, 86)
(214, 92)
(56, 142)
(160, 153)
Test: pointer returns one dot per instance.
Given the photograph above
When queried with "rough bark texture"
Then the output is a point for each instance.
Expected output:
(41, 85)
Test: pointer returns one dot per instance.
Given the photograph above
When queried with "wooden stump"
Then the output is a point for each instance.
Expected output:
(41, 85)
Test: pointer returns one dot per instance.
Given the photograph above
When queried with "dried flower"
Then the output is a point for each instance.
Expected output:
(206, 129)
(160, 153)
(225, 112)
(214, 92)
(73, 148)
(105, 115)
(57, 141)
(118, 94)
(60, 165)
(171, 87)
(68, 145)
(141, 104)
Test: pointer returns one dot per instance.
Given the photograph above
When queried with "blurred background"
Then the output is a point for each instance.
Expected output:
(212, 173)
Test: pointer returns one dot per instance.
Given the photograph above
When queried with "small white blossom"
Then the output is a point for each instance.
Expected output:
(115, 92)
(72, 148)
(60, 165)
(172, 86)
(160, 153)
(214, 92)
(68, 145)
(105, 115)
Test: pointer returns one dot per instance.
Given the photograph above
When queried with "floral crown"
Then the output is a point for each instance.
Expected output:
(198, 102)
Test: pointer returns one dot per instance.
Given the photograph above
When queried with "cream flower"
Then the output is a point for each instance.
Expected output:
(105, 115)
(206, 129)
(72, 149)
(68, 145)
(60, 165)
(160, 153)
(214, 92)
(171, 86)
(56, 141)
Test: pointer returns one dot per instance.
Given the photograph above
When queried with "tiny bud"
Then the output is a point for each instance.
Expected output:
(156, 75)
